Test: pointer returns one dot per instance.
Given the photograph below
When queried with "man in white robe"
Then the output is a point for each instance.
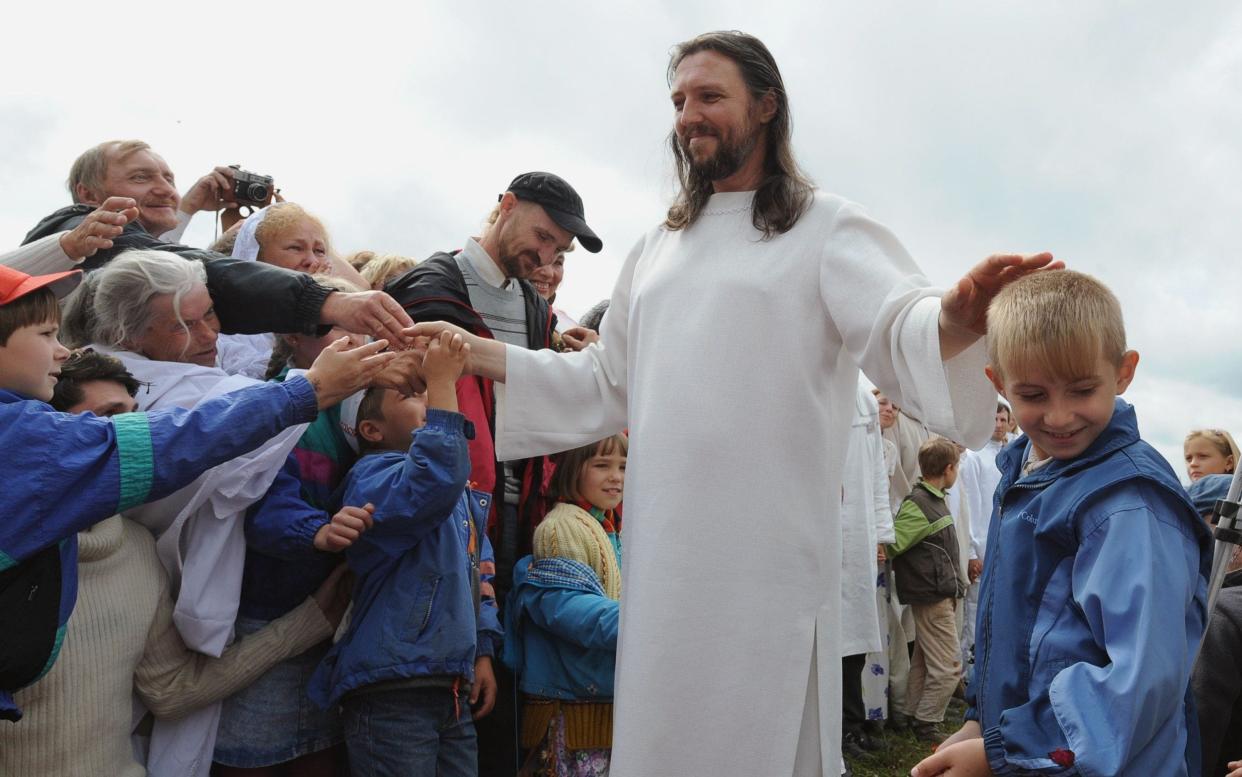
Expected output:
(978, 481)
(728, 659)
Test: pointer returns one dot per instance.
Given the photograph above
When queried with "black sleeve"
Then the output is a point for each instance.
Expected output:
(1217, 678)
(249, 297)
(253, 297)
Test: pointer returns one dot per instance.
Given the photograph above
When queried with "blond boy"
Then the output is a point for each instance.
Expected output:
(1093, 594)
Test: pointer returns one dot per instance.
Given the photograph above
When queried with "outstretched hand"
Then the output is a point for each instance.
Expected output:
(339, 370)
(485, 357)
(99, 228)
(369, 312)
(964, 308)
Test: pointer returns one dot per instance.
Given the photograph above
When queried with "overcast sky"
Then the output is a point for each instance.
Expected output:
(1107, 133)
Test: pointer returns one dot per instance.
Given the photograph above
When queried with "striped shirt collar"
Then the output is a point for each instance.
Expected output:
(484, 266)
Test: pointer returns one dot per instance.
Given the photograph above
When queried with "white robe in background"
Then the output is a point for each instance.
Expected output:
(865, 522)
(982, 478)
(733, 362)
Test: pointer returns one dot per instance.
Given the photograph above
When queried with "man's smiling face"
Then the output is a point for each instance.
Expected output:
(144, 176)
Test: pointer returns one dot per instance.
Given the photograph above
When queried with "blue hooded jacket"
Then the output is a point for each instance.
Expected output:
(65, 473)
(561, 631)
(1091, 610)
(421, 569)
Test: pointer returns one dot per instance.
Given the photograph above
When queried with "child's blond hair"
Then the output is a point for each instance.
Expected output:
(1219, 439)
(382, 269)
(1057, 320)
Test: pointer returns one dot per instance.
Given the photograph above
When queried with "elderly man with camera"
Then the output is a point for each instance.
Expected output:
(249, 297)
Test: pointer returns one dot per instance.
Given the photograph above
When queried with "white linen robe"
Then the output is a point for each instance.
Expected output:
(733, 361)
(865, 522)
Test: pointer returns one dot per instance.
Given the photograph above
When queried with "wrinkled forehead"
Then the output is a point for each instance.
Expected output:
(136, 159)
(192, 306)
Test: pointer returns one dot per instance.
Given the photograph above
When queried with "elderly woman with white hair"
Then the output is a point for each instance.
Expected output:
(151, 310)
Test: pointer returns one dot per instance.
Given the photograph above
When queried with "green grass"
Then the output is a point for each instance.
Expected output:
(902, 751)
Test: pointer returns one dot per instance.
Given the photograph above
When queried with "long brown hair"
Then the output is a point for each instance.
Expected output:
(785, 192)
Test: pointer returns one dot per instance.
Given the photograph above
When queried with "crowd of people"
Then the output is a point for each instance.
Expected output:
(276, 509)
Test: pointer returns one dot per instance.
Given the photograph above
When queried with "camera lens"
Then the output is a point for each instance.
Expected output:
(256, 192)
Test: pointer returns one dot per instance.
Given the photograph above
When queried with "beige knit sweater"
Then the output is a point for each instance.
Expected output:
(121, 640)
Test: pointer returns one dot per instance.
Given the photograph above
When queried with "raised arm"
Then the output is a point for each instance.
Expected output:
(104, 466)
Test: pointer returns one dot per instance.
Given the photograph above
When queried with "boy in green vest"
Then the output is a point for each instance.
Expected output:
(925, 563)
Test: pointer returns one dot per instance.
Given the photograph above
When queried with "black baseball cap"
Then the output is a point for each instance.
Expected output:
(560, 201)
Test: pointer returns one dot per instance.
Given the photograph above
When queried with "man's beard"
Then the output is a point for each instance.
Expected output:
(513, 265)
(729, 157)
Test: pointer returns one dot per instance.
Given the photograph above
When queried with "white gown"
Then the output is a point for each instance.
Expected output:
(733, 362)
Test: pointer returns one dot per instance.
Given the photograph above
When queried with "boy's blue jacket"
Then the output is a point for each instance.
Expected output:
(1091, 610)
(561, 631)
(420, 568)
(64, 473)
(282, 565)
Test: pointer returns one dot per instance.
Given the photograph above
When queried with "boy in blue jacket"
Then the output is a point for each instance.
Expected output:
(1094, 588)
(424, 625)
(64, 473)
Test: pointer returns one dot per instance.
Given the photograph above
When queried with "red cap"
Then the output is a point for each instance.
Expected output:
(15, 284)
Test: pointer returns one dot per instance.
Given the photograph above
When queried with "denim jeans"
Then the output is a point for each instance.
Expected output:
(410, 732)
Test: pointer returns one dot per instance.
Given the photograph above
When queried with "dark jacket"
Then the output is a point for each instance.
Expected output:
(435, 290)
(1091, 608)
(249, 297)
(925, 554)
(1217, 682)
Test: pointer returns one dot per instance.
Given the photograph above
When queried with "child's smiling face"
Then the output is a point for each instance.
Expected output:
(1063, 416)
(602, 480)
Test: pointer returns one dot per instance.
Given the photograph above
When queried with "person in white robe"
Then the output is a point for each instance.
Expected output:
(865, 523)
(905, 435)
(728, 659)
(978, 481)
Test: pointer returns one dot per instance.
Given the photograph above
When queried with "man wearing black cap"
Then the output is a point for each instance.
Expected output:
(483, 289)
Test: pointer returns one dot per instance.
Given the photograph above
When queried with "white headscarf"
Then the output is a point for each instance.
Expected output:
(247, 245)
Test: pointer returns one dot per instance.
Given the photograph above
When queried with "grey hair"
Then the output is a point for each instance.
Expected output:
(126, 286)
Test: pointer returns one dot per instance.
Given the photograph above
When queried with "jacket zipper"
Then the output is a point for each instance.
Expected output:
(987, 618)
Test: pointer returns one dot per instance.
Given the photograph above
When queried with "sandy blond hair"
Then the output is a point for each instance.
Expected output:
(381, 269)
(91, 166)
(1219, 439)
(281, 217)
(1057, 320)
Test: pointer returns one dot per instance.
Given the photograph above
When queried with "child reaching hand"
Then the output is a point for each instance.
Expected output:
(424, 623)
(1093, 597)
(563, 614)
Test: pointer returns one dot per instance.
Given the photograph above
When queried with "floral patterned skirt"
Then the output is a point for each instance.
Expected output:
(552, 756)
